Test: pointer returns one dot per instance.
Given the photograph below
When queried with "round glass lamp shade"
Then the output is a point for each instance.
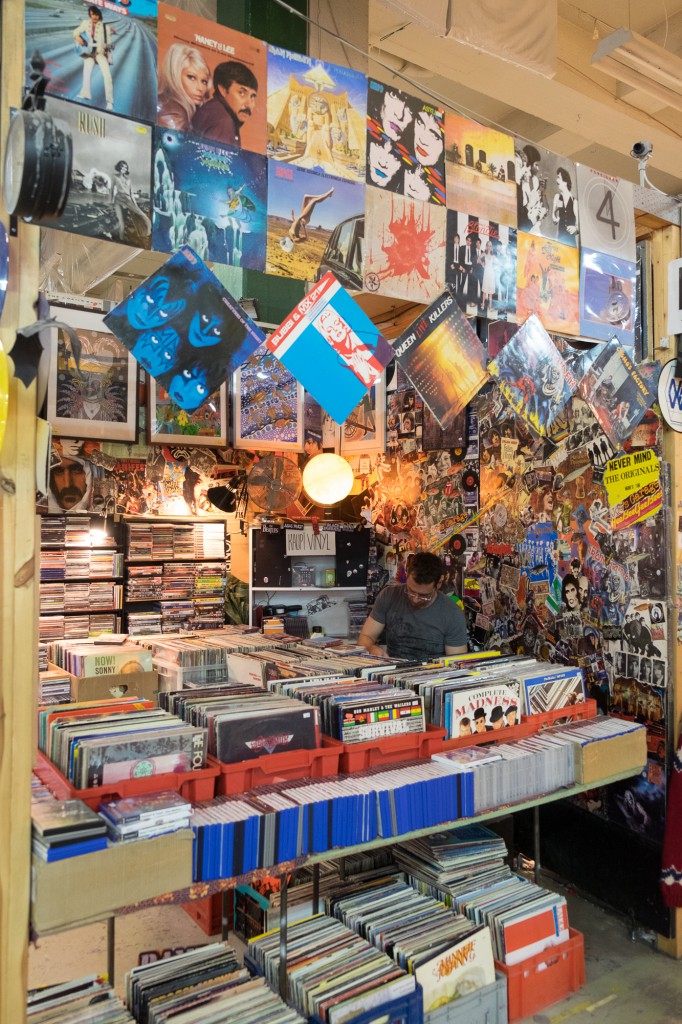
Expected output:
(327, 479)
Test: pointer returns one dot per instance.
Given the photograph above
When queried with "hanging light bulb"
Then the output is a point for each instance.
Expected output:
(327, 479)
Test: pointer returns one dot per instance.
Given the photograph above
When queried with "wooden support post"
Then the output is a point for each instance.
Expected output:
(18, 590)
(665, 246)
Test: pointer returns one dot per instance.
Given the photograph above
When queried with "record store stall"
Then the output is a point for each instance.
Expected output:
(307, 360)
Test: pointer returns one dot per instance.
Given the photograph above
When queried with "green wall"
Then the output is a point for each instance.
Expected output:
(265, 19)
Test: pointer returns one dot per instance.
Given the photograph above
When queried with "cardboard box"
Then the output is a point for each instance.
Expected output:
(91, 887)
(140, 684)
(611, 756)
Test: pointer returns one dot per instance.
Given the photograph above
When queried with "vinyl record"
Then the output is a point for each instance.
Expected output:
(469, 480)
(458, 545)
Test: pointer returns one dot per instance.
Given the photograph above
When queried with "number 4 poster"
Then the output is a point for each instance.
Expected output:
(607, 216)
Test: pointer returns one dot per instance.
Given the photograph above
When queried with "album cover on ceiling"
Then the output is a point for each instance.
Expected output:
(185, 329)
(210, 197)
(102, 54)
(404, 247)
(616, 392)
(607, 214)
(212, 80)
(405, 144)
(305, 209)
(316, 114)
(546, 194)
(548, 283)
(443, 357)
(332, 348)
(109, 196)
(607, 297)
(480, 169)
(480, 265)
(533, 377)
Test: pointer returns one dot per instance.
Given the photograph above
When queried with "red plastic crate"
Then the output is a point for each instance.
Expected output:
(208, 912)
(242, 776)
(403, 747)
(529, 726)
(192, 786)
(588, 709)
(545, 978)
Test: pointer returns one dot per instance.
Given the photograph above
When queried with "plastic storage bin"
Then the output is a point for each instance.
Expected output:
(406, 1010)
(192, 786)
(179, 677)
(242, 776)
(529, 726)
(208, 912)
(404, 747)
(486, 1006)
(545, 978)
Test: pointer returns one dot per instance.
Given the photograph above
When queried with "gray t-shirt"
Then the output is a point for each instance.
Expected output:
(418, 633)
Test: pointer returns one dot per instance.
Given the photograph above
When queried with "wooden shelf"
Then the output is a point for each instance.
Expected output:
(71, 869)
(281, 590)
(161, 561)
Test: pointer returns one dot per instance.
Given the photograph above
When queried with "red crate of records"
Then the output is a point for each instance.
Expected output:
(545, 978)
(405, 746)
(242, 776)
(529, 726)
(192, 786)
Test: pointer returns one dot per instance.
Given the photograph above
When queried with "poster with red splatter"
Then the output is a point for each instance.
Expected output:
(443, 357)
(405, 247)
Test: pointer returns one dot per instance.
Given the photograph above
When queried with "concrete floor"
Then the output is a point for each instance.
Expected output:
(628, 982)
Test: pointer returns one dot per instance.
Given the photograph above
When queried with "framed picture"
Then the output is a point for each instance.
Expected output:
(268, 405)
(99, 402)
(169, 424)
(365, 429)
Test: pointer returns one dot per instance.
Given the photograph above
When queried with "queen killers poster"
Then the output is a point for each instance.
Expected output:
(185, 329)
(443, 357)
(332, 348)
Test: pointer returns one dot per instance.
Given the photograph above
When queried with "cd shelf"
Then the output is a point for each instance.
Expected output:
(201, 890)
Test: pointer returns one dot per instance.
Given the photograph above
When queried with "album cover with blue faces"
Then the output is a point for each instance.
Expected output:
(185, 329)
(210, 197)
(405, 144)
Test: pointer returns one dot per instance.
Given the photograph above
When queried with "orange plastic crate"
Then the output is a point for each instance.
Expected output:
(192, 786)
(545, 978)
(242, 776)
(403, 747)
(529, 726)
(208, 912)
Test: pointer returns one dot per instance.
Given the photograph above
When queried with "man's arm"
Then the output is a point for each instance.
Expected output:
(369, 634)
(449, 649)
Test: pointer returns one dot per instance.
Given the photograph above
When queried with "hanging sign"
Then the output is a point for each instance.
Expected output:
(307, 542)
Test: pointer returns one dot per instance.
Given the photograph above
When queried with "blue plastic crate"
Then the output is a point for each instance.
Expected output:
(406, 1010)
(485, 1006)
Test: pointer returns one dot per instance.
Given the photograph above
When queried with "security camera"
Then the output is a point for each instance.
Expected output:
(642, 150)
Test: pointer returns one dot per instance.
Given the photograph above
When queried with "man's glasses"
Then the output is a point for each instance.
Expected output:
(421, 598)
